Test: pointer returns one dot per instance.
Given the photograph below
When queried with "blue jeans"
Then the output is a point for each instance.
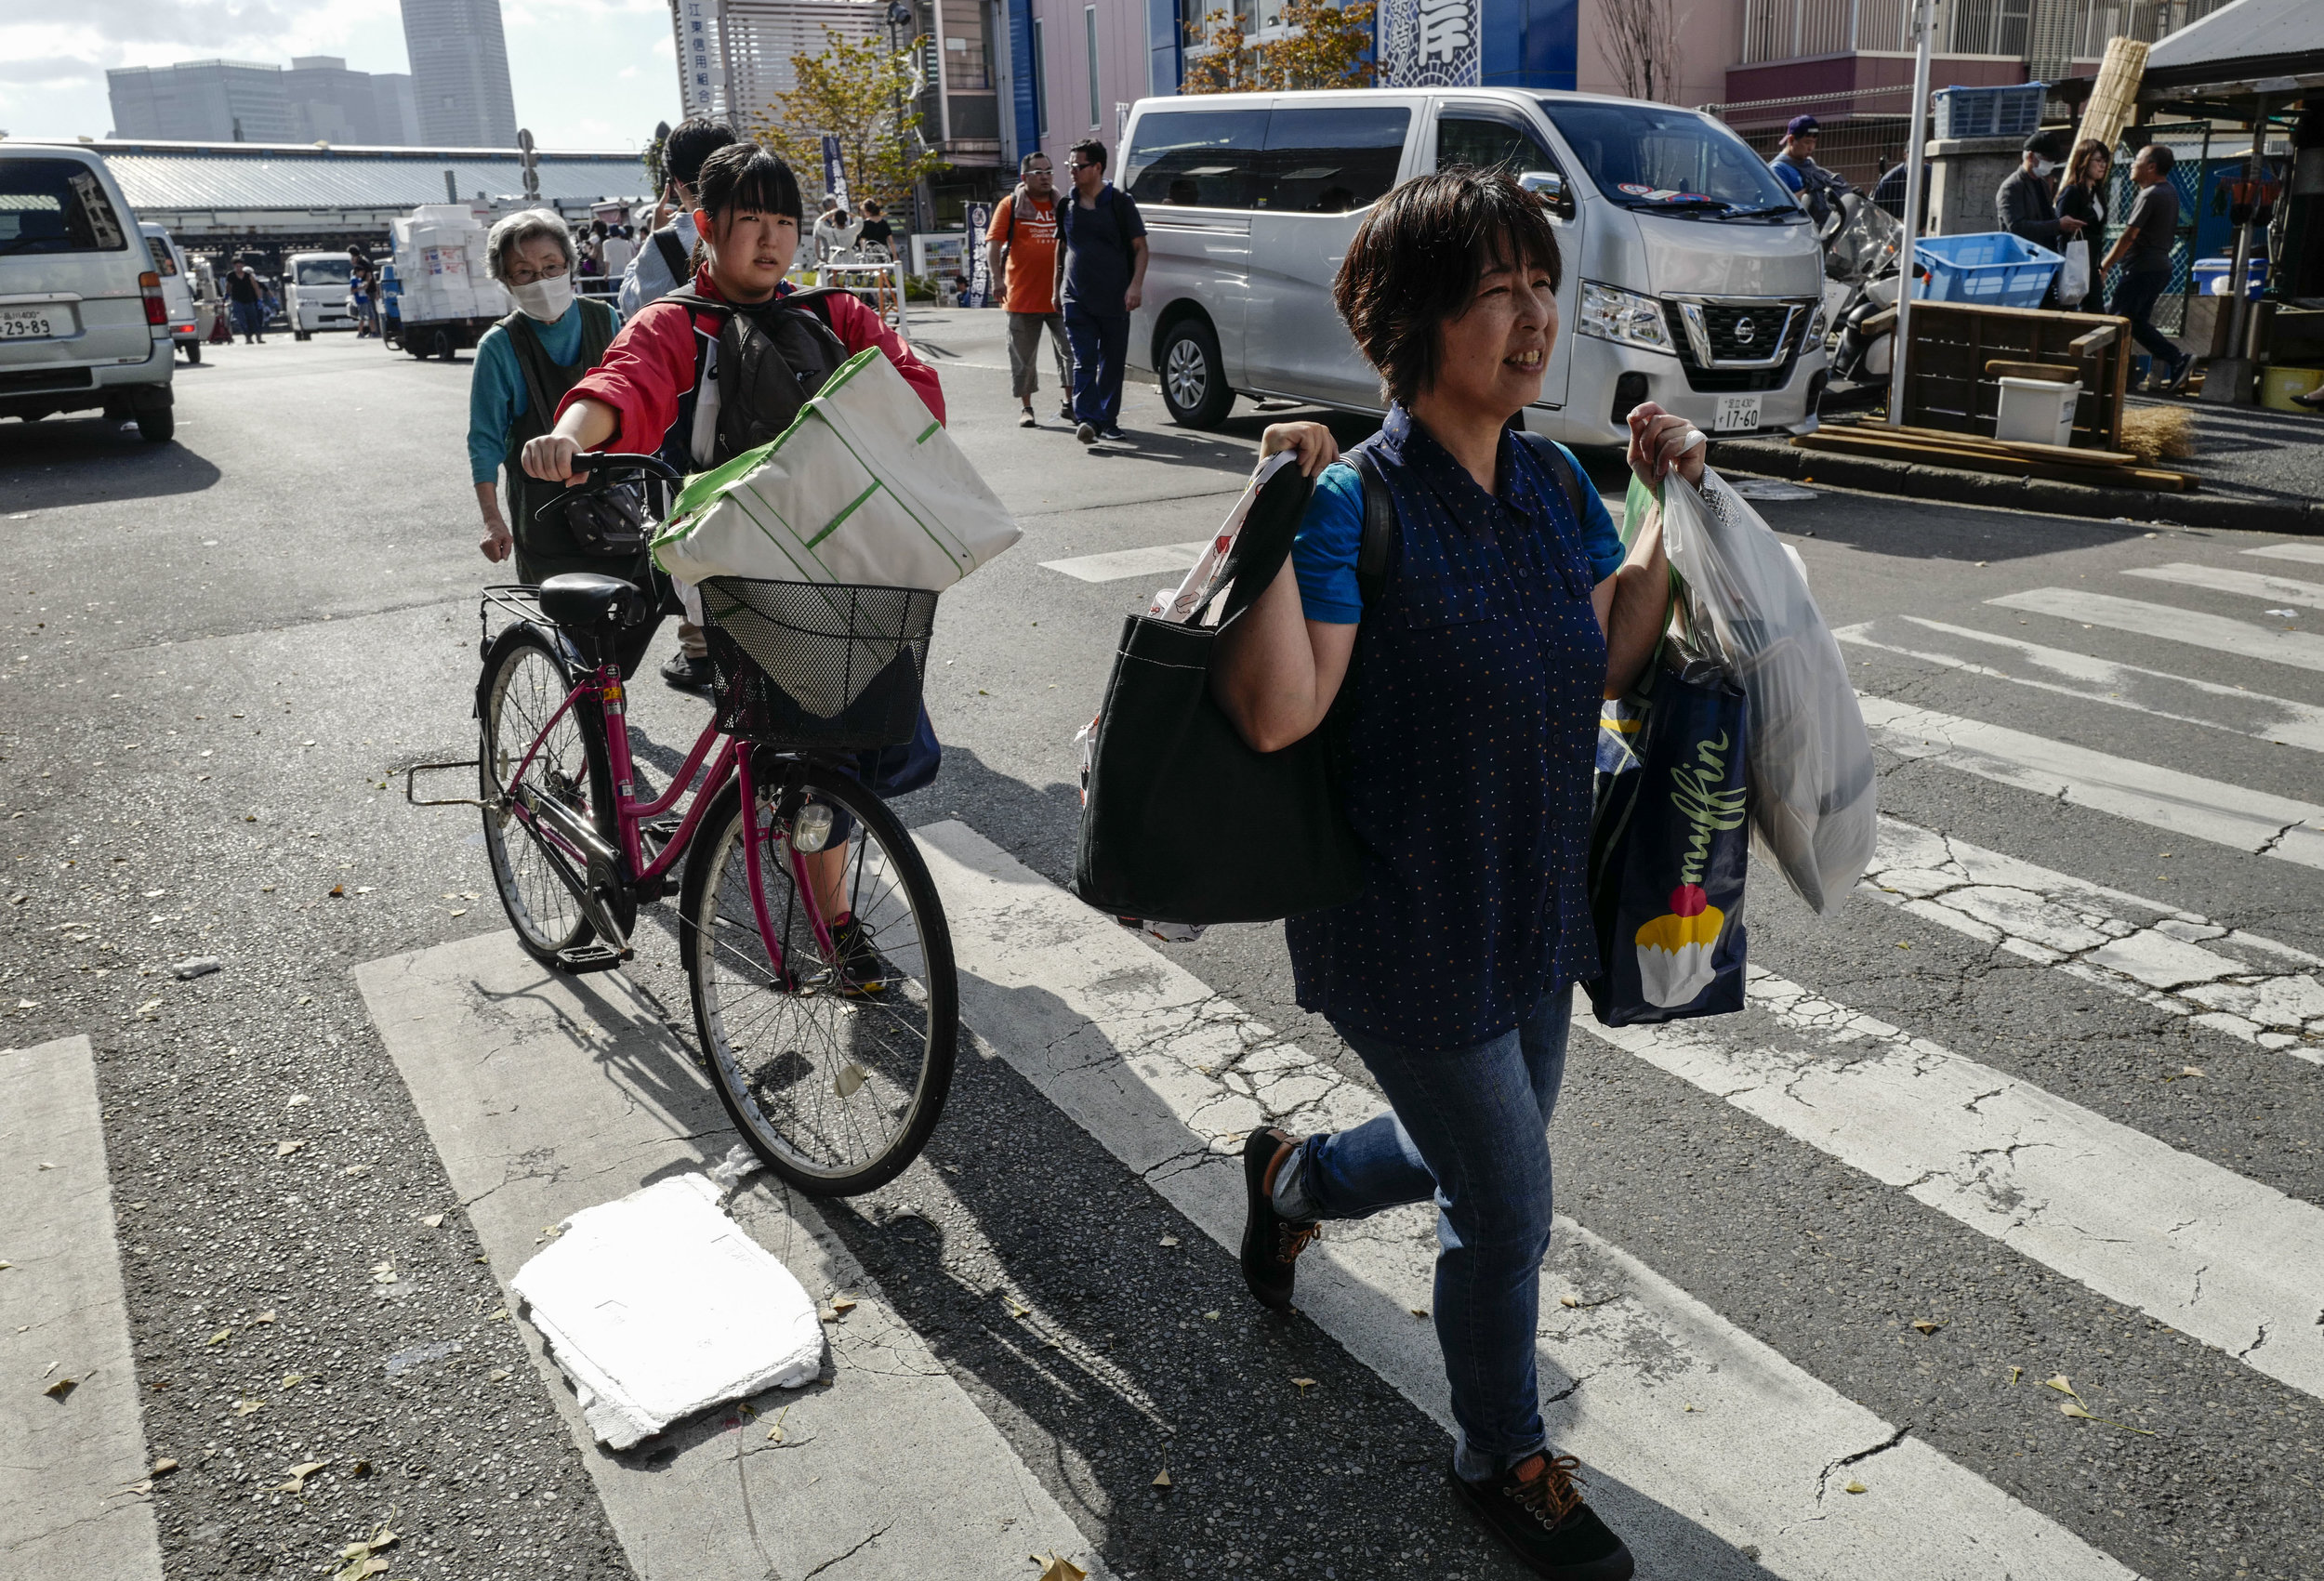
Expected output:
(1101, 342)
(1469, 1131)
(2134, 299)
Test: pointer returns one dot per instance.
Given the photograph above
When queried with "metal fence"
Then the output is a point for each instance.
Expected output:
(2049, 35)
(1864, 131)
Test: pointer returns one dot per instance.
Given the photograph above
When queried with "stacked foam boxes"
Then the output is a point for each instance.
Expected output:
(439, 266)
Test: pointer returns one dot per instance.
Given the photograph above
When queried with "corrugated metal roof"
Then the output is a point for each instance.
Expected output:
(2248, 33)
(166, 178)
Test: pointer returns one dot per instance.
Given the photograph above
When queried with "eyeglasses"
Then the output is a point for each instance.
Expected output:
(1085, 165)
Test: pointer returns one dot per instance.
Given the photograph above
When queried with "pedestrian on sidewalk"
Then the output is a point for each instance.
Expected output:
(1099, 280)
(2144, 251)
(663, 263)
(2083, 197)
(242, 299)
(1022, 238)
(1475, 666)
(2023, 204)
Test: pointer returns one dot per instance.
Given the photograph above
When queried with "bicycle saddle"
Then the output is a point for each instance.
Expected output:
(585, 599)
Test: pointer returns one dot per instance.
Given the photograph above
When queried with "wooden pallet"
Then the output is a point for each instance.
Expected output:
(1933, 447)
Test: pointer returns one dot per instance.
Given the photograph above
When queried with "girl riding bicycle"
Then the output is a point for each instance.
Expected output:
(724, 364)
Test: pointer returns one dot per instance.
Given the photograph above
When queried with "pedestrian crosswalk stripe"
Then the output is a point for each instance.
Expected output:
(2311, 553)
(1163, 559)
(2144, 792)
(545, 1095)
(2181, 698)
(2222, 1258)
(2282, 590)
(2226, 979)
(1169, 1076)
(2241, 637)
(72, 1436)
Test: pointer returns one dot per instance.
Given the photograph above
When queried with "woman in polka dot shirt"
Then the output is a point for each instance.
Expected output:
(1474, 673)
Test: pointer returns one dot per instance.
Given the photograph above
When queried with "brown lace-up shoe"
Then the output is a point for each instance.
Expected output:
(1537, 1510)
(1272, 1244)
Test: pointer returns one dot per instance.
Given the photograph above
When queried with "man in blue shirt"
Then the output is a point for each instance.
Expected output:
(1795, 167)
(1101, 278)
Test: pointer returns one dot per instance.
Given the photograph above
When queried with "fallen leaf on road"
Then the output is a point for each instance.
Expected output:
(499, 1314)
(1304, 1383)
(1420, 1311)
(433, 1220)
(149, 1005)
(265, 1316)
(843, 1303)
(2016, 1372)
(1056, 1569)
(6, 1264)
(292, 1380)
(1162, 1478)
(298, 1475)
(245, 1407)
(1212, 1316)
(1567, 1302)
(498, 1375)
(1855, 1487)
(2059, 1384)
(849, 1081)
(358, 1468)
(1016, 1312)
(1925, 1326)
(383, 1273)
(220, 1337)
(164, 1467)
(284, 1148)
(354, 1170)
(62, 1387)
(338, 892)
(2073, 1408)
(1169, 1240)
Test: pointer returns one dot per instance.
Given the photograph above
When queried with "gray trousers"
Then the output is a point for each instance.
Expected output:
(1025, 351)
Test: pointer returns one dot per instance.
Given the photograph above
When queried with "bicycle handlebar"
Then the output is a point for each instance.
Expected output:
(618, 461)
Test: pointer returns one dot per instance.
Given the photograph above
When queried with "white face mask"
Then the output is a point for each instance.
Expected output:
(544, 299)
(2043, 167)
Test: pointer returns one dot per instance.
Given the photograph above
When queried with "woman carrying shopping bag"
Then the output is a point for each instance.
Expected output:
(1474, 665)
(2084, 198)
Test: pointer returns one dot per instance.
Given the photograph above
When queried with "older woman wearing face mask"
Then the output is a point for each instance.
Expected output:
(524, 365)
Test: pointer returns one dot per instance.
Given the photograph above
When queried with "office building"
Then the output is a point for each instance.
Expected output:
(459, 72)
(318, 99)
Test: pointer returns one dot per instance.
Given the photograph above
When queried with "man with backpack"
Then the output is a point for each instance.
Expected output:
(1024, 231)
(664, 260)
(1099, 279)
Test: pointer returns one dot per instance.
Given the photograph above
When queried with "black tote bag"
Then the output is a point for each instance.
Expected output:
(1183, 821)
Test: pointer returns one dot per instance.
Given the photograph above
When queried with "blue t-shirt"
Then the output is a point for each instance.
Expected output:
(1097, 243)
(1323, 555)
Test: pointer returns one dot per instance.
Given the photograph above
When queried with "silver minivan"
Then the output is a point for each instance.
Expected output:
(1691, 276)
(83, 320)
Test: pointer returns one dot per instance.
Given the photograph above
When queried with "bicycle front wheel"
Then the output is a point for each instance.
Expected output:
(833, 1052)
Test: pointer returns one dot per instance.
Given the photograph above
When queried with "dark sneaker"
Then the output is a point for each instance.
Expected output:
(1065, 411)
(687, 675)
(861, 969)
(1086, 434)
(1114, 433)
(1272, 1244)
(2178, 376)
(1537, 1510)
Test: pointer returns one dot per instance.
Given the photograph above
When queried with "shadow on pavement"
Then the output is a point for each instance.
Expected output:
(40, 458)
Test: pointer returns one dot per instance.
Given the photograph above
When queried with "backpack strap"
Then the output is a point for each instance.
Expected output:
(1382, 531)
(673, 254)
(1552, 455)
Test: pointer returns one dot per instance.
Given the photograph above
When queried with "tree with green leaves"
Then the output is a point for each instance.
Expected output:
(1320, 45)
(851, 92)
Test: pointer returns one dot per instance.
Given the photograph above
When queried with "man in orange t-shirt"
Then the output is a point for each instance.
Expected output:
(1022, 240)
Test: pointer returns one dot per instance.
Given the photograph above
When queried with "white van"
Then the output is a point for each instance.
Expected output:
(1691, 277)
(177, 288)
(315, 290)
(83, 323)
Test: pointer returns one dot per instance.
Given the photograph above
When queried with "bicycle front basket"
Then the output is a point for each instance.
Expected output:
(813, 664)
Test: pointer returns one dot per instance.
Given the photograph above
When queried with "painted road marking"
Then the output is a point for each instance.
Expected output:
(545, 1095)
(2144, 792)
(1160, 560)
(2251, 584)
(2299, 649)
(2312, 554)
(2180, 698)
(69, 1503)
(1169, 1077)
(2222, 1258)
(2234, 981)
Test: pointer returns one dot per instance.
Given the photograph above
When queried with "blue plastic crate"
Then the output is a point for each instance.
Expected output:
(2012, 111)
(1993, 269)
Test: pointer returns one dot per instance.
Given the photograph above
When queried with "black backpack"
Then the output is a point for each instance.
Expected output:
(1381, 530)
(773, 357)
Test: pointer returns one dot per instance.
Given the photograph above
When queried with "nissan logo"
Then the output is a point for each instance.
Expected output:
(1744, 330)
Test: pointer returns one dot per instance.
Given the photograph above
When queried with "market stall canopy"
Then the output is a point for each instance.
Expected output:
(2274, 47)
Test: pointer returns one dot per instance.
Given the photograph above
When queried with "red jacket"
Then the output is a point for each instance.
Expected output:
(648, 376)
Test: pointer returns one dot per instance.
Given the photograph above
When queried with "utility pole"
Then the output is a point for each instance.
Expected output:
(900, 17)
(1916, 179)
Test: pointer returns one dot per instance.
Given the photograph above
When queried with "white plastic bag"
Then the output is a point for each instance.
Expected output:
(2074, 274)
(864, 488)
(1814, 808)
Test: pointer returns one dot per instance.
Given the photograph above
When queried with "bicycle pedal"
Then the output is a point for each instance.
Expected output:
(588, 958)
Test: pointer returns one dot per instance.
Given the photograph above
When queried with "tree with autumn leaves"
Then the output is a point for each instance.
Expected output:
(851, 92)
(1321, 46)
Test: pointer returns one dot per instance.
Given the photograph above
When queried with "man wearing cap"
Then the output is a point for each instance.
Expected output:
(2025, 207)
(1795, 167)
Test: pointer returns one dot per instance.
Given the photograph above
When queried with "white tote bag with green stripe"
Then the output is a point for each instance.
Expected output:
(865, 489)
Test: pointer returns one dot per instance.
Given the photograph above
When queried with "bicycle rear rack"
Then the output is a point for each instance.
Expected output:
(412, 795)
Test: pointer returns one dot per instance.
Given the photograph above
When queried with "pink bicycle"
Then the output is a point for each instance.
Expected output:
(811, 934)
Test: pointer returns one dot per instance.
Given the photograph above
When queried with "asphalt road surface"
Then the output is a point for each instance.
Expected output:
(2041, 1102)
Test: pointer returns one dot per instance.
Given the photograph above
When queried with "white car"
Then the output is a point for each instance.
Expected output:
(185, 326)
(1691, 276)
(83, 323)
(315, 292)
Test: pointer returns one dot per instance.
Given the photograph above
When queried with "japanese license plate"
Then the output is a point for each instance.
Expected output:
(1736, 412)
(30, 324)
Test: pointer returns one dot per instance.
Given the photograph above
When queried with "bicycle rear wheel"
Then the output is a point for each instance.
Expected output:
(835, 1063)
(525, 681)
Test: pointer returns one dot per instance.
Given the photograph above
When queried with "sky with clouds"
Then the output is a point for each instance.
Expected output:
(587, 74)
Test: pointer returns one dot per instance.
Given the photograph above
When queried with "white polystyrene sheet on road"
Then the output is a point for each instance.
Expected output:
(657, 1306)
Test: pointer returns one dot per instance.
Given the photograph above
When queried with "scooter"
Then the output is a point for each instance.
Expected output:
(1860, 289)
